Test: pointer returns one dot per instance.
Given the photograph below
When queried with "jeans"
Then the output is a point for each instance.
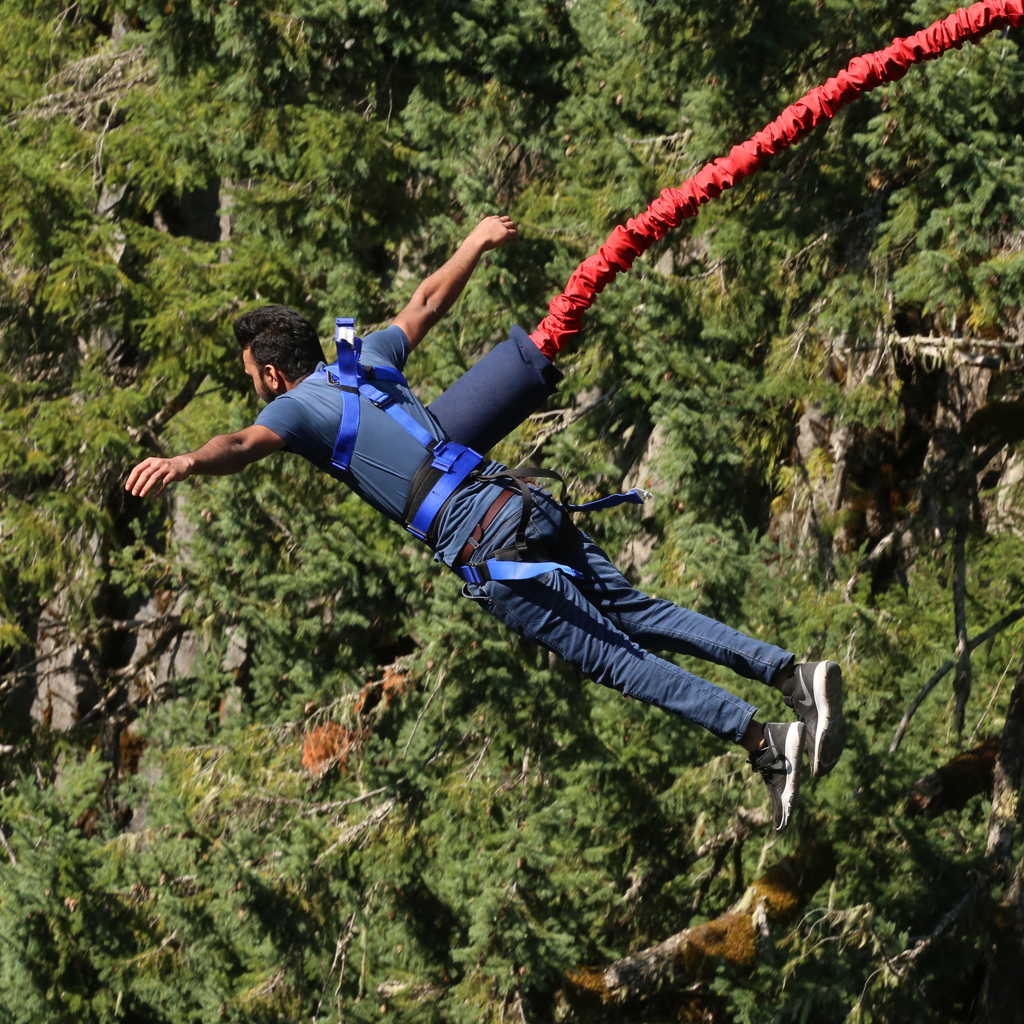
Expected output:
(606, 628)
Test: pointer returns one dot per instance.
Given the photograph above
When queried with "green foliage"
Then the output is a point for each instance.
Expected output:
(487, 828)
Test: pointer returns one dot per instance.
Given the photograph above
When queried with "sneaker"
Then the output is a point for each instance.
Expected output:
(778, 762)
(815, 693)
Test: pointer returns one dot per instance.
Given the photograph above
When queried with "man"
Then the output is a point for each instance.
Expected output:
(560, 590)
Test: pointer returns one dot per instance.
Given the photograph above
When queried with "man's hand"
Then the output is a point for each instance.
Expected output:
(226, 453)
(493, 232)
(436, 294)
(158, 473)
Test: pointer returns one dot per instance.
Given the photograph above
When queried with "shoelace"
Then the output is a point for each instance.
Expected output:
(767, 770)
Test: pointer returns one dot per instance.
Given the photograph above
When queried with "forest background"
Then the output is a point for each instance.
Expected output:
(259, 759)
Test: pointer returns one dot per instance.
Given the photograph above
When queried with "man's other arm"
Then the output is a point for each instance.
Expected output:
(221, 455)
(435, 296)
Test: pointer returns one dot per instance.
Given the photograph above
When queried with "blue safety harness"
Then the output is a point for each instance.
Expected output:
(447, 465)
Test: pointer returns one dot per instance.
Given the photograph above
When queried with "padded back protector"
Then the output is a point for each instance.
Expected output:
(495, 395)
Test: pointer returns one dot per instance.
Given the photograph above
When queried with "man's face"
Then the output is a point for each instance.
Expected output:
(267, 386)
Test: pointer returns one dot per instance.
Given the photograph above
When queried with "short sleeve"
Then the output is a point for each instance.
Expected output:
(285, 417)
(389, 347)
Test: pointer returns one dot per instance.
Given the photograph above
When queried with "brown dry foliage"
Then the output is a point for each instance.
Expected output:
(327, 745)
(332, 744)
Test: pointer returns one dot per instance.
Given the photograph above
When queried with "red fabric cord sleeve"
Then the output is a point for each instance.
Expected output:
(861, 75)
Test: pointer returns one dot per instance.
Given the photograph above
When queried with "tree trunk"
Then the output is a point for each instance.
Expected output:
(962, 674)
(1003, 993)
(772, 899)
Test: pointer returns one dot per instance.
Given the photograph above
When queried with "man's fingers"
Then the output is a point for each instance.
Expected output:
(145, 481)
(146, 474)
(135, 474)
(160, 481)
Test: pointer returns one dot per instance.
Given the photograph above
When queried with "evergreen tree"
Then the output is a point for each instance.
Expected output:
(260, 761)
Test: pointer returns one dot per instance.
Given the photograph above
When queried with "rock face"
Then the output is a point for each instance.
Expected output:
(854, 484)
(635, 555)
(163, 651)
(64, 688)
(130, 655)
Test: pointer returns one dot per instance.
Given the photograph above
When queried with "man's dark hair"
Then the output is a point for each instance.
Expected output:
(280, 337)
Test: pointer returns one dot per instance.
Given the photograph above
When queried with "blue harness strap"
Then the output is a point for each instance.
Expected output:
(346, 370)
(454, 461)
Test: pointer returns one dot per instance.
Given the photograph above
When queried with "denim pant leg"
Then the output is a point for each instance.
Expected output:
(556, 613)
(660, 625)
(553, 612)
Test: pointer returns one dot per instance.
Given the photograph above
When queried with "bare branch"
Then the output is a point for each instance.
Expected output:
(962, 671)
(353, 832)
(310, 809)
(748, 822)
(149, 432)
(7, 846)
(568, 419)
(876, 554)
(997, 627)
(80, 88)
(433, 693)
(660, 140)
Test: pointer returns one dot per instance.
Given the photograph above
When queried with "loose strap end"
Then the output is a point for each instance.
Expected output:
(637, 496)
(502, 571)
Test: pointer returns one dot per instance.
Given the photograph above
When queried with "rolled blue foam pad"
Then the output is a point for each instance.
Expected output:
(493, 397)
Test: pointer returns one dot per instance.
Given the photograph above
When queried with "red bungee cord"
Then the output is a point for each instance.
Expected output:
(862, 75)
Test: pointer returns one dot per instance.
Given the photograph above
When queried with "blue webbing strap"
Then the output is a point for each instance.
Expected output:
(385, 373)
(346, 369)
(454, 460)
(384, 401)
(457, 462)
(637, 496)
(500, 570)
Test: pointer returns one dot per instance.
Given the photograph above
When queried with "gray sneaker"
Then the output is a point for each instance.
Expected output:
(778, 763)
(815, 693)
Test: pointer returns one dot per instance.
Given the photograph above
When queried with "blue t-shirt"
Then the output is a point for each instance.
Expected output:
(385, 457)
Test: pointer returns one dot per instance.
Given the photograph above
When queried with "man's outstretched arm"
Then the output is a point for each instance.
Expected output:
(221, 455)
(435, 296)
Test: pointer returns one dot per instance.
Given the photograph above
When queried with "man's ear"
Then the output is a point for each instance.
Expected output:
(274, 379)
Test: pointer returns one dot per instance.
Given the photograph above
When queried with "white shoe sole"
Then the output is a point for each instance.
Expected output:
(830, 737)
(794, 745)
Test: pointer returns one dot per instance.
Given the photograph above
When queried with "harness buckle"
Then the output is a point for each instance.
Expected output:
(446, 455)
(381, 399)
(345, 330)
(472, 574)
